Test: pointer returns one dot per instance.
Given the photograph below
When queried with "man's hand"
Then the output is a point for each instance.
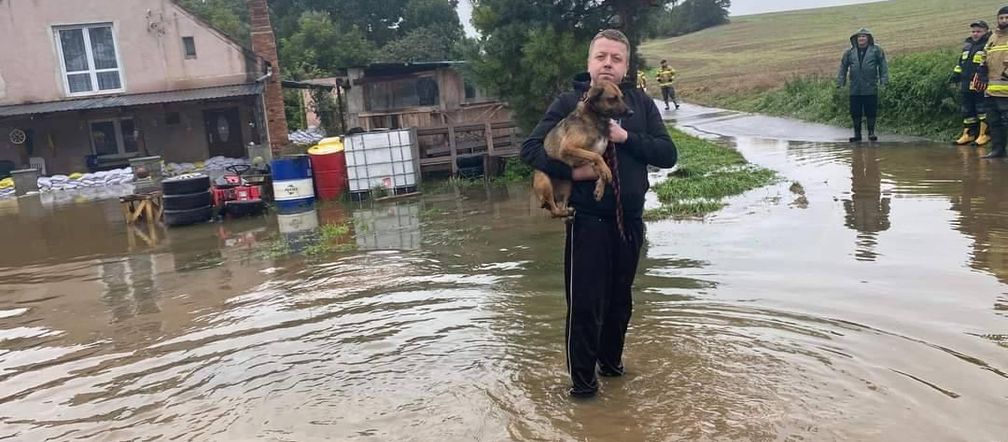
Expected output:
(584, 173)
(616, 133)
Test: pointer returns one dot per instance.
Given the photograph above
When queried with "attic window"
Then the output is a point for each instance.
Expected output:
(189, 44)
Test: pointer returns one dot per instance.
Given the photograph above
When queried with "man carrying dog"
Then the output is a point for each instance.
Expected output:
(602, 246)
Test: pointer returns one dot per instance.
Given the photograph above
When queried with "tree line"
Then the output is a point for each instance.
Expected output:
(526, 53)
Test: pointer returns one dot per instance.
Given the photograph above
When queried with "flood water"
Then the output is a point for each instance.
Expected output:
(867, 303)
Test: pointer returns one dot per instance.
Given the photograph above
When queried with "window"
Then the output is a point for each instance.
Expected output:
(470, 91)
(114, 137)
(189, 44)
(89, 59)
(402, 93)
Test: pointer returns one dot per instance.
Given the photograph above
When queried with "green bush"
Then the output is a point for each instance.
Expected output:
(917, 101)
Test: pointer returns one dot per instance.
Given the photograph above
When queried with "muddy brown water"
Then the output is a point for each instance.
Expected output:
(868, 303)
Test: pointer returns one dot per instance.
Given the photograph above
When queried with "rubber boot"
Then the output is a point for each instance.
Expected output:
(998, 141)
(871, 130)
(966, 137)
(857, 132)
(984, 136)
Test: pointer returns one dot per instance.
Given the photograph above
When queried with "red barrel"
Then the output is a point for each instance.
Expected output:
(328, 162)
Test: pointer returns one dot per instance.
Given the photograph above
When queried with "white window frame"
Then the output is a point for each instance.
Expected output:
(93, 73)
(120, 143)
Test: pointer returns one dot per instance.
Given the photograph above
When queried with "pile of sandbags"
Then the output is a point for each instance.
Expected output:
(213, 164)
(117, 177)
(309, 137)
(86, 180)
(6, 187)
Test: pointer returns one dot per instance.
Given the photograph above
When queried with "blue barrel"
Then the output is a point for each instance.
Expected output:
(293, 189)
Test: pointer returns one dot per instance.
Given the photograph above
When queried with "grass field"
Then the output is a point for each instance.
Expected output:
(760, 52)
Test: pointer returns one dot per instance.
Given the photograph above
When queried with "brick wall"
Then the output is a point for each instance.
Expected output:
(264, 45)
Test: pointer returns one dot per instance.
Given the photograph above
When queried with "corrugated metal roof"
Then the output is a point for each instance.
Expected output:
(103, 102)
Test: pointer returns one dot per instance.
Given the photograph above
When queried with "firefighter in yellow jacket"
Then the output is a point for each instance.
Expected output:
(968, 75)
(666, 78)
(996, 69)
(641, 80)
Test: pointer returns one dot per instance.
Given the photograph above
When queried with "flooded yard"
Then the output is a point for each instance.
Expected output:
(862, 298)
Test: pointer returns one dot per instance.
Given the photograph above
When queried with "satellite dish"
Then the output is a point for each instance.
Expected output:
(17, 136)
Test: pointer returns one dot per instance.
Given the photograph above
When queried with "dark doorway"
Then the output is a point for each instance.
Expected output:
(224, 132)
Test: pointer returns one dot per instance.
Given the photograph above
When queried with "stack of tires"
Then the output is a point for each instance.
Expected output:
(187, 200)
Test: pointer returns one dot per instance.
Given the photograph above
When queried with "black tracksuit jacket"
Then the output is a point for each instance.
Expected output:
(648, 142)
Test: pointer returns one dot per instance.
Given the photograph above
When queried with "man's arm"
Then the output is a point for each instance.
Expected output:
(841, 78)
(883, 68)
(655, 146)
(533, 152)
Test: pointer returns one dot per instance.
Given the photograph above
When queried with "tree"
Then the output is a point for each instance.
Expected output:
(423, 44)
(430, 32)
(320, 47)
(530, 48)
(690, 16)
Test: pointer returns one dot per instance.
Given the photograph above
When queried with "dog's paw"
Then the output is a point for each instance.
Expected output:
(599, 190)
(605, 174)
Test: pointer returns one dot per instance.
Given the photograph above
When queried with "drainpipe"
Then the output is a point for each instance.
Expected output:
(269, 74)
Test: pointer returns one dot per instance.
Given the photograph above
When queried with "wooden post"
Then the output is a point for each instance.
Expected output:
(452, 147)
(415, 148)
(488, 129)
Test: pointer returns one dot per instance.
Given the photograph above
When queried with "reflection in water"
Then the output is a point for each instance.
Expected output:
(129, 286)
(391, 226)
(867, 210)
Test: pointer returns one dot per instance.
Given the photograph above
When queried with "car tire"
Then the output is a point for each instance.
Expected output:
(188, 201)
(185, 184)
(187, 217)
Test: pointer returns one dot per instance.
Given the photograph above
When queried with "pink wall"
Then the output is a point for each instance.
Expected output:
(149, 42)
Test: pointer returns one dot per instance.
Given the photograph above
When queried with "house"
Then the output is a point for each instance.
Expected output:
(91, 83)
(452, 116)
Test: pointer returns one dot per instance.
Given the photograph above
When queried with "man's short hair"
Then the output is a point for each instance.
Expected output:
(611, 34)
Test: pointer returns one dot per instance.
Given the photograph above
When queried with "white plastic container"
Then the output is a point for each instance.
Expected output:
(381, 159)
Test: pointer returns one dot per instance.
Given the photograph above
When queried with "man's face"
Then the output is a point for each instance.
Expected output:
(607, 61)
(862, 40)
(1003, 21)
(976, 33)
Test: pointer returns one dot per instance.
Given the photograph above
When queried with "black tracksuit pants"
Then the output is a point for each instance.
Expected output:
(599, 269)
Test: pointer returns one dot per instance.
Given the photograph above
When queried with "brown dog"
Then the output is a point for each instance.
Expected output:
(580, 138)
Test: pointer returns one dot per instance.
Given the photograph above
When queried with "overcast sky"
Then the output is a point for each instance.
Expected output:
(738, 7)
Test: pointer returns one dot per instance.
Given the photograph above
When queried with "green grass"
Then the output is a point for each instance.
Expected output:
(760, 52)
(707, 174)
(327, 239)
